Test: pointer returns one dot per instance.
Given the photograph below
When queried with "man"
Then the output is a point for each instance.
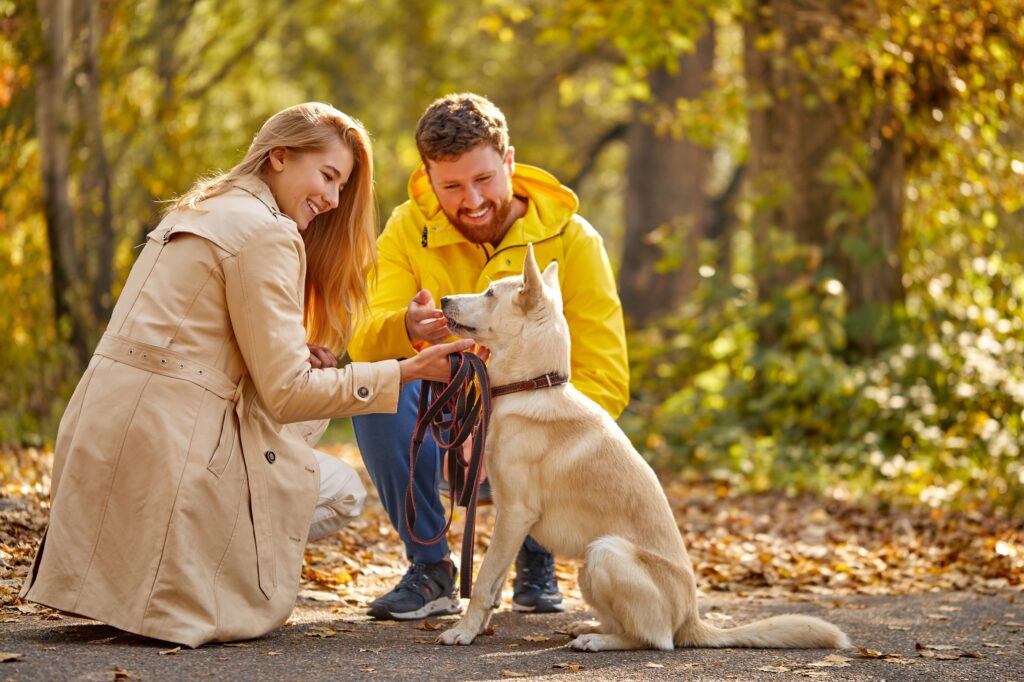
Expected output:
(471, 212)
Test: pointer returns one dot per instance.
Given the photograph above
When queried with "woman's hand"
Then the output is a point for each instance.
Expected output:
(320, 357)
(432, 363)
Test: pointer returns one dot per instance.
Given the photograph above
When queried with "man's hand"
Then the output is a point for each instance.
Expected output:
(320, 357)
(424, 322)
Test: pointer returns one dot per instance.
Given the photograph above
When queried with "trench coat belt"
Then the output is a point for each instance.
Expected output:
(167, 362)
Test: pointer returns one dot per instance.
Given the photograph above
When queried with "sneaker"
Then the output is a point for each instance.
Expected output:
(535, 589)
(425, 590)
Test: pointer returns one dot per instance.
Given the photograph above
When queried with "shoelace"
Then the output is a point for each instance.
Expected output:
(537, 571)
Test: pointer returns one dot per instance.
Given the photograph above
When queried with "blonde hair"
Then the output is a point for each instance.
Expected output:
(341, 247)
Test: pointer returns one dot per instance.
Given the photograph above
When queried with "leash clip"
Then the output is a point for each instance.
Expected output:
(548, 377)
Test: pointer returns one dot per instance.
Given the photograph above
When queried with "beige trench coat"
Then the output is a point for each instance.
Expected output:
(180, 504)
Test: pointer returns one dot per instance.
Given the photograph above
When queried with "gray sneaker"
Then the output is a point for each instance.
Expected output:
(425, 590)
(535, 588)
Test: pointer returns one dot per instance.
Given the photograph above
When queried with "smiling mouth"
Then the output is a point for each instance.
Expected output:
(312, 207)
(477, 215)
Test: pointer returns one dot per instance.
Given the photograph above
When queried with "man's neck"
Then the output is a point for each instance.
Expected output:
(519, 206)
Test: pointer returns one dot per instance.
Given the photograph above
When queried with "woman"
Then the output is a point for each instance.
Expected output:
(180, 503)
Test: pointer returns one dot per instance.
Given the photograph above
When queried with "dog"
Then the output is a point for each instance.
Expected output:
(562, 471)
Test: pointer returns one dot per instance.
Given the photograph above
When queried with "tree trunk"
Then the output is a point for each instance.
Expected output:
(54, 119)
(666, 202)
(97, 213)
(794, 142)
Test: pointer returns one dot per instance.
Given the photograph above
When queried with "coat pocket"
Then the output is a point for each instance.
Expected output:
(226, 444)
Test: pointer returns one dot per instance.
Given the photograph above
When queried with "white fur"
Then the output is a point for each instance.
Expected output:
(562, 471)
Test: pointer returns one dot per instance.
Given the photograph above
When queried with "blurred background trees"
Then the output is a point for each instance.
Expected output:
(814, 207)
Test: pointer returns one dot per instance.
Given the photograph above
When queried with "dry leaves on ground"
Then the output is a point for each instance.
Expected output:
(738, 542)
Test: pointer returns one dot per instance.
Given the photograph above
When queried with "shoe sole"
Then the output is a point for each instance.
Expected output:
(439, 607)
(546, 608)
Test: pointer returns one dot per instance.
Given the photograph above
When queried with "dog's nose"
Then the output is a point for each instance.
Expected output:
(444, 300)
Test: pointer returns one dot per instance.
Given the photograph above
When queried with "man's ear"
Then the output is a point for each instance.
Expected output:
(276, 158)
(510, 160)
(533, 282)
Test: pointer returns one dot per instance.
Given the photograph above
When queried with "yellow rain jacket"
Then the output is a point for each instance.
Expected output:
(420, 249)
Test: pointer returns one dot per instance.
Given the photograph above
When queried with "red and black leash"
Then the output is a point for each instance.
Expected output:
(454, 412)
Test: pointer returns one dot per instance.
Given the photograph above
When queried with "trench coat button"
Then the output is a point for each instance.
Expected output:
(271, 457)
(363, 392)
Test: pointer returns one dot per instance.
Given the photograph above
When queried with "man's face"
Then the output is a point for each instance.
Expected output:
(475, 191)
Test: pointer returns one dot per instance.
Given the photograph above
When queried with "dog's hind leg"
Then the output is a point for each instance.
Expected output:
(633, 609)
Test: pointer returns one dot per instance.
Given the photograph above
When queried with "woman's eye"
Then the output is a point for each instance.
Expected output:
(326, 177)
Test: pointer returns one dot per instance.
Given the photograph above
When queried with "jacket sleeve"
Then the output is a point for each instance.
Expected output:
(600, 366)
(265, 305)
(381, 334)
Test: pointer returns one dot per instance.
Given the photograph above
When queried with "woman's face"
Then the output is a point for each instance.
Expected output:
(307, 183)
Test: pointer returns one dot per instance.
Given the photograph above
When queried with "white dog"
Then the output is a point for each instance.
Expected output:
(562, 471)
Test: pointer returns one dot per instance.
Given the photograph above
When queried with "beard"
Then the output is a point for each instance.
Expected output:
(490, 232)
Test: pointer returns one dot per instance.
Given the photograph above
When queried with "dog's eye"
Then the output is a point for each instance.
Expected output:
(489, 292)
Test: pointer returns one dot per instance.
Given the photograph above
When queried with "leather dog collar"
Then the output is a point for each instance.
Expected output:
(546, 381)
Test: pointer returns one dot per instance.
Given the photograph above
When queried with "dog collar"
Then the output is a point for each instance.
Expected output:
(546, 381)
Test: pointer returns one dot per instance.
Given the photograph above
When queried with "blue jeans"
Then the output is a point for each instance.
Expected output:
(384, 441)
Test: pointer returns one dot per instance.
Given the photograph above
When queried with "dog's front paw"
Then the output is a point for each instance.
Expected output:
(589, 642)
(456, 635)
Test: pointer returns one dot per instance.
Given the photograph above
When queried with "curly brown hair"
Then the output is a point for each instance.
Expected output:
(455, 124)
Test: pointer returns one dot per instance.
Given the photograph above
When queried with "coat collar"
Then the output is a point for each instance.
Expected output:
(253, 185)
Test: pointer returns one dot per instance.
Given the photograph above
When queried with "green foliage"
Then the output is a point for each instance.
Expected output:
(937, 416)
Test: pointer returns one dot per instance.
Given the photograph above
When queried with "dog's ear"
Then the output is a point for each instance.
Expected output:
(533, 282)
(551, 275)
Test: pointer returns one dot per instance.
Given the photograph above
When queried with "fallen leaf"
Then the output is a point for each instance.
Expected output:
(901, 628)
(536, 638)
(27, 608)
(373, 651)
(654, 665)
(272, 653)
(774, 669)
(830, 661)
(323, 633)
(120, 674)
(170, 652)
(994, 645)
(422, 641)
(572, 667)
(367, 670)
(427, 625)
(8, 656)
(938, 616)
(489, 631)
(949, 608)
(512, 673)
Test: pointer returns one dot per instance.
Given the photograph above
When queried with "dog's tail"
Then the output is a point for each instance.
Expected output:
(778, 632)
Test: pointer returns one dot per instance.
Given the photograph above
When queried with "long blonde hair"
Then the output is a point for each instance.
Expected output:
(341, 247)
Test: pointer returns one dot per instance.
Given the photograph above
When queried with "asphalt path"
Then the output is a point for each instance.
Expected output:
(936, 636)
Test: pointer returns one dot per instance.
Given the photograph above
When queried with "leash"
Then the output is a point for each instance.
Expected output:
(453, 413)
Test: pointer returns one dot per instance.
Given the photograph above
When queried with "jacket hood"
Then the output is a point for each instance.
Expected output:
(551, 205)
